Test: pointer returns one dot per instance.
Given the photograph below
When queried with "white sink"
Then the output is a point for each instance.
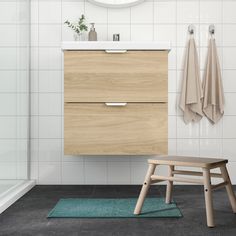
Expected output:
(110, 45)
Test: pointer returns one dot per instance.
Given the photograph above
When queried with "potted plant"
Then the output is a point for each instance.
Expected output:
(78, 27)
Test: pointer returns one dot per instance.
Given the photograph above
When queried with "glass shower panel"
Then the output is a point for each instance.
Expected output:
(14, 91)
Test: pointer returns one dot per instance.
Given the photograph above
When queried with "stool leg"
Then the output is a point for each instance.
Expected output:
(229, 188)
(169, 187)
(144, 189)
(208, 197)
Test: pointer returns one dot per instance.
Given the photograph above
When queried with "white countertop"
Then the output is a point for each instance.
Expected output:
(110, 45)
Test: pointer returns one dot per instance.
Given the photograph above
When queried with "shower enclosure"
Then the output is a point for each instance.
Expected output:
(14, 100)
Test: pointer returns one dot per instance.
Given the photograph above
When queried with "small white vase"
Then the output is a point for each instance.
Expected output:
(80, 36)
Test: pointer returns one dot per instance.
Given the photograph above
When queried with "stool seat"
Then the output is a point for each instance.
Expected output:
(187, 161)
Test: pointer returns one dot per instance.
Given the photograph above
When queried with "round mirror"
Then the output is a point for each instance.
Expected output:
(116, 3)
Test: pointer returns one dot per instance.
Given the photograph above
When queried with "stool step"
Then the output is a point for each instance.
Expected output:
(186, 180)
(220, 185)
(194, 173)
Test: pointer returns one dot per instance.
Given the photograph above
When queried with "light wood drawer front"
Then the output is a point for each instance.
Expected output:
(98, 129)
(134, 76)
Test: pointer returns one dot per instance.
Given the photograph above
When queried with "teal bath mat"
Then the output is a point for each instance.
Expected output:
(112, 208)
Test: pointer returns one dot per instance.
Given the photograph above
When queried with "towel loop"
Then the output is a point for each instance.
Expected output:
(212, 29)
(191, 29)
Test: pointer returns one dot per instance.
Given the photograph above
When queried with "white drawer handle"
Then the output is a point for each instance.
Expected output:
(116, 104)
(115, 51)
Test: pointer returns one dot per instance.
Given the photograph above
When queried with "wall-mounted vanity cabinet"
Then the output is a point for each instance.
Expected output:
(115, 100)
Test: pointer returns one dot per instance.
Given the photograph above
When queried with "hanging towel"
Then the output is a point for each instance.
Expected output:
(213, 95)
(191, 94)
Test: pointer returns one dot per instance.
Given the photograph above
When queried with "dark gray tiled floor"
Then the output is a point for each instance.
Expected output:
(28, 215)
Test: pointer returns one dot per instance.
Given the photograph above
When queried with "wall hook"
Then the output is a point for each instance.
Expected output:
(191, 29)
(212, 29)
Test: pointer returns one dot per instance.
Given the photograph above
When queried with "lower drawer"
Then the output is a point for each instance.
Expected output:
(105, 129)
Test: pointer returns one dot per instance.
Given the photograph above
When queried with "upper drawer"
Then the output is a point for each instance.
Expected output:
(133, 76)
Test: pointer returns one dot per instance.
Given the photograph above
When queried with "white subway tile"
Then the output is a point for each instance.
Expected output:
(210, 11)
(229, 150)
(172, 59)
(95, 14)
(7, 104)
(8, 35)
(164, 12)
(171, 126)
(34, 16)
(211, 148)
(50, 150)
(22, 150)
(8, 58)
(229, 35)
(190, 130)
(142, 32)
(49, 173)
(231, 166)
(22, 104)
(22, 79)
(50, 104)
(50, 35)
(229, 58)
(172, 104)
(23, 58)
(34, 171)
(230, 108)
(139, 13)
(50, 58)
(8, 170)
(34, 150)
(187, 11)
(138, 171)
(229, 15)
(34, 122)
(229, 127)
(118, 172)
(7, 127)
(22, 127)
(208, 130)
(72, 173)
(172, 81)
(34, 59)
(172, 146)
(8, 81)
(7, 150)
(72, 10)
(229, 81)
(119, 15)
(96, 172)
(50, 127)
(8, 12)
(50, 81)
(34, 104)
(50, 11)
(165, 33)
(188, 147)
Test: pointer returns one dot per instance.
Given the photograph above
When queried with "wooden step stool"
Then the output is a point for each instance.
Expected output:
(205, 163)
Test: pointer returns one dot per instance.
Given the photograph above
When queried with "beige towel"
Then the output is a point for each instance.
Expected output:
(191, 94)
(213, 101)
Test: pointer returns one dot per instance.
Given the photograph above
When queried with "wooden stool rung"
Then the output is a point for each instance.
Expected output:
(195, 173)
(220, 185)
(190, 180)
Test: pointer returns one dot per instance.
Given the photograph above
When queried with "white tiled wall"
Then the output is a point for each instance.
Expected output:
(153, 20)
(14, 67)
